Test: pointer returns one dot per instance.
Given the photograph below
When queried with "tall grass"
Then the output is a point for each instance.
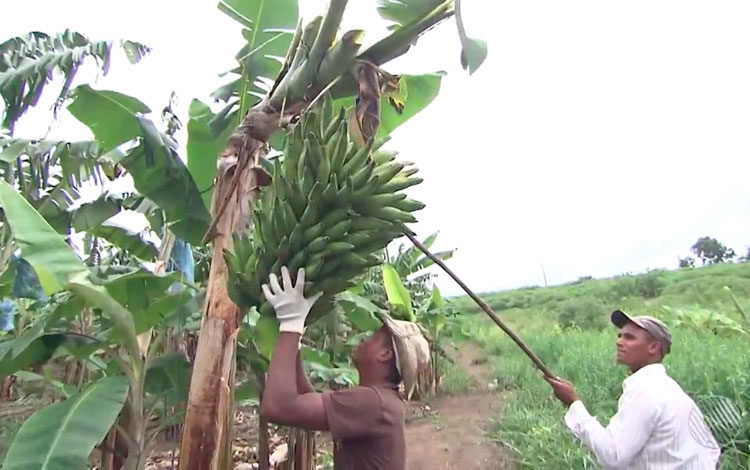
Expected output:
(580, 347)
(532, 421)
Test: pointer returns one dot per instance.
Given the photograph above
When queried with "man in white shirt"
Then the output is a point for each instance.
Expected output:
(657, 425)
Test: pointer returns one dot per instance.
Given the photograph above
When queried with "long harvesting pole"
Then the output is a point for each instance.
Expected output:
(486, 308)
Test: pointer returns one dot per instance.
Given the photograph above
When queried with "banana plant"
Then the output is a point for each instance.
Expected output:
(135, 383)
(262, 99)
(30, 61)
(406, 267)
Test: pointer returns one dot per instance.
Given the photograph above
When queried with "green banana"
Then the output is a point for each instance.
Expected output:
(345, 195)
(366, 205)
(309, 217)
(335, 248)
(316, 152)
(331, 208)
(329, 267)
(232, 262)
(368, 189)
(357, 161)
(407, 172)
(333, 126)
(353, 259)
(384, 156)
(358, 238)
(324, 169)
(334, 217)
(302, 164)
(398, 184)
(339, 151)
(290, 220)
(269, 233)
(312, 267)
(392, 214)
(295, 239)
(296, 262)
(282, 250)
(362, 176)
(329, 194)
(326, 115)
(279, 222)
(318, 244)
(312, 233)
(338, 230)
(299, 204)
(388, 170)
(408, 205)
(360, 223)
(250, 265)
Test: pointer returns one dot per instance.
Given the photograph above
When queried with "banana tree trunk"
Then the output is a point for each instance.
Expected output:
(205, 440)
(6, 388)
(303, 451)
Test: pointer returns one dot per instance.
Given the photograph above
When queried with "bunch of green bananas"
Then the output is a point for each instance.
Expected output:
(331, 206)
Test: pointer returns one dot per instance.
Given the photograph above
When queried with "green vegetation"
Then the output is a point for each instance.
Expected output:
(457, 380)
(567, 326)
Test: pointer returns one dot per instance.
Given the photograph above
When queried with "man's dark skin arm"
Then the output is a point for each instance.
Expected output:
(303, 383)
(282, 401)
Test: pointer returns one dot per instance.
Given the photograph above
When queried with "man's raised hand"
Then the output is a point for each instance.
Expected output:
(288, 301)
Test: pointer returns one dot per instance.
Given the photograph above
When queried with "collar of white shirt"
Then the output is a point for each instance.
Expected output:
(644, 373)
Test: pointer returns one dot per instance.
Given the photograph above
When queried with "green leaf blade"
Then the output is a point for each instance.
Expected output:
(421, 90)
(53, 260)
(397, 294)
(402, 12)
(61, 436)
(473, 51)
(203, 148)
(121, 124)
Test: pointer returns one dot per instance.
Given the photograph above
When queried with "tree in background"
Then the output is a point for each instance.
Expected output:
(710, 250)
(687, 262)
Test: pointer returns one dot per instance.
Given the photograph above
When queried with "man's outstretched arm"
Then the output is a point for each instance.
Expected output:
(303, 383)
(282, 401)
(624, 437)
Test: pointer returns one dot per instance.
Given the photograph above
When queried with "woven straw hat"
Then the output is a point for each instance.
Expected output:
(411, 348)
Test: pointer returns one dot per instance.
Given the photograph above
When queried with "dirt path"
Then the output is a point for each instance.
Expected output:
(452, 434)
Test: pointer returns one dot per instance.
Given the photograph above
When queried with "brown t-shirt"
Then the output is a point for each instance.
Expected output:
(367, 425)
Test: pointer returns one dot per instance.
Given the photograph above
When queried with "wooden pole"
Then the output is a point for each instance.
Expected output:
(486, 308)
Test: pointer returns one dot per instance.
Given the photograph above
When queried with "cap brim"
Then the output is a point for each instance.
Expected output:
(620, 318)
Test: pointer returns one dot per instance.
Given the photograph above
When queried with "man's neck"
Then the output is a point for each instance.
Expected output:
(369, 379)
(633, 370)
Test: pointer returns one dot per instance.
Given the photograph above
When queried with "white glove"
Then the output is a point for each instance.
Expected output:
(289, 303)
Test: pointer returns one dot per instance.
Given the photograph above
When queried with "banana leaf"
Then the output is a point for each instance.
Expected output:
(57, 266)
(53, 260)
(157, 171)
(397, 294)
(61, 436)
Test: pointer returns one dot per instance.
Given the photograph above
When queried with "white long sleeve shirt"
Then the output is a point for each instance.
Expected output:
(657, 426)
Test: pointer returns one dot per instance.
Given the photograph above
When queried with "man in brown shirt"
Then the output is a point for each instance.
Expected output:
(367, 421)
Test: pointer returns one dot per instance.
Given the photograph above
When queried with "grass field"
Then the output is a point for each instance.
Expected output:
(567, 326)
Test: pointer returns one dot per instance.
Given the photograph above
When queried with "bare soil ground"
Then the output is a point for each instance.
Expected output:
(451, 435)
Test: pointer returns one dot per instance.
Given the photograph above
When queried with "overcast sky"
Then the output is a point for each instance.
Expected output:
(598, 138)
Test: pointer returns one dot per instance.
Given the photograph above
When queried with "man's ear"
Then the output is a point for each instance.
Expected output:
(385, 355)
(654, 347)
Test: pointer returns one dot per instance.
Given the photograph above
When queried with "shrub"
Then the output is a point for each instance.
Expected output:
(649, 286)
(584, 313)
